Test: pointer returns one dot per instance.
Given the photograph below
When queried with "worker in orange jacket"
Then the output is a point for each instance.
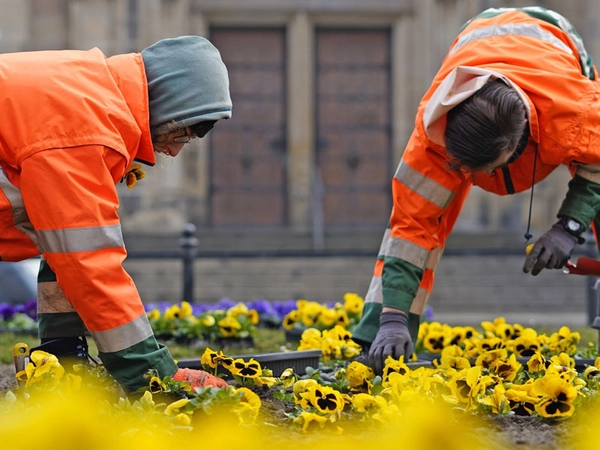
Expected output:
(516, 96)
(73, 123)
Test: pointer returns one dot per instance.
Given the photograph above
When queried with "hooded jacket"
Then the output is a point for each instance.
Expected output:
(539, 54)
(73, 122)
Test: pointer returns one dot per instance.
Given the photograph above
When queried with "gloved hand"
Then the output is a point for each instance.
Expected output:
(393, 339)
(551, 251)
(199, 378)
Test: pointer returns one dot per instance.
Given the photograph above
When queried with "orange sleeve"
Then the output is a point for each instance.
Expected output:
(71, 199)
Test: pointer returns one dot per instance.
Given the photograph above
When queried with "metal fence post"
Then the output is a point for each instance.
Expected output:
(591, 251)
(189, 246)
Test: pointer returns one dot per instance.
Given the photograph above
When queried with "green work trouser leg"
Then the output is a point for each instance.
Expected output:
(57, 319)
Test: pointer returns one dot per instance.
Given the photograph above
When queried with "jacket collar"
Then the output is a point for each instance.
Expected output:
(128, 71)
(461, 83)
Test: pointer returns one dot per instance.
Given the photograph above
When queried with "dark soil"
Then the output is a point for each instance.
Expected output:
(518, 432)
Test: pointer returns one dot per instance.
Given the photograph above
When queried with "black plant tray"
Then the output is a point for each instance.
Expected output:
(297, 360)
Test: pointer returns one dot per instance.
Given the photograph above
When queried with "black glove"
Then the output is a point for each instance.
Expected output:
(393, 339)
(551, 251)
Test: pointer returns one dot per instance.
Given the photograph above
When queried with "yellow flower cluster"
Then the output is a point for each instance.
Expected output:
(433, 337)
(309, 314)
(335, 344)
(179, 322)
(503, 369)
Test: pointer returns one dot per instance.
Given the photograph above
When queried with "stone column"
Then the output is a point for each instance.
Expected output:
(300, 121)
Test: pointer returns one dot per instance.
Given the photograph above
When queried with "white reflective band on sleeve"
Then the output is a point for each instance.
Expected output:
(125, 336)
(420, 301)
(434, 258)
(518, 29)
(88, 239)
(375, 292)
(20, 217)
(427, 188)
(408, 251)
(384, 241)
(568, 28)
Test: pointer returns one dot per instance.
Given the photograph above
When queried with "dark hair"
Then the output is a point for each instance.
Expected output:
(484, 126)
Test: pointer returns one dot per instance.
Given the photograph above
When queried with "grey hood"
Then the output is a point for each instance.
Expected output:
(187, 81)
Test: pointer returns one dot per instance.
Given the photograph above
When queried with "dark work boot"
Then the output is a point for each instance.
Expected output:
(69, 351)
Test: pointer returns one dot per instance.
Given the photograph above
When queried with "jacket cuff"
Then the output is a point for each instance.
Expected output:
(394, 298)
(582, 201)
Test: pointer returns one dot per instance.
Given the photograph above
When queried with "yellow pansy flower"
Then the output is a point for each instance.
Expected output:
(353, 303)
(229, 326)
(307, 418)
(210, 358)
(367, 404)
(154, 314)
(43, 365)
(133, 174)
(174, 408)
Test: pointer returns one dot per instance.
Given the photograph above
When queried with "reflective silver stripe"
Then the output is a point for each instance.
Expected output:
(375, 292)
(520, 29)
(81, 239)
(419, 302)
(434, 258)
(125, 336)
(384, 241)
(408, 251)
(20, 217)
(585, 61)
(568, 28)
(427, 188)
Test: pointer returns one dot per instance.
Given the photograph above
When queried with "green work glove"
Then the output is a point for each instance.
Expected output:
(551, 251)
(393, 339)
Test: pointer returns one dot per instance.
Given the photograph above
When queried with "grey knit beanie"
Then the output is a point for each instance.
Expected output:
(187, 81)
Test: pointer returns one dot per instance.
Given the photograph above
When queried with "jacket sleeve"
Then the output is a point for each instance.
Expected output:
(582, 201)
(427, 198)
(71, 199)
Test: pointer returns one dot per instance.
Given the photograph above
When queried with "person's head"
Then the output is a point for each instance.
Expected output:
(483, 132)
(169, 138)
(188, 90)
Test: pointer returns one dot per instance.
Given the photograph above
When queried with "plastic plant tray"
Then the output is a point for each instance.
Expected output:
(297, 360)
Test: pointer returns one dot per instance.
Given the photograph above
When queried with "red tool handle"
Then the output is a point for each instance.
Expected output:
(584, 266)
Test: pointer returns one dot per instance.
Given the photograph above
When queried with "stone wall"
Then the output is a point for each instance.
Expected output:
(468, 289)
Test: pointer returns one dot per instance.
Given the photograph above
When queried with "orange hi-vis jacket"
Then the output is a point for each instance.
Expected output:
(72, 123)
(537, 52)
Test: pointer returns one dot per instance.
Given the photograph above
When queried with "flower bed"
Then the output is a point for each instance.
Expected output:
(461, 375)
(19, 318)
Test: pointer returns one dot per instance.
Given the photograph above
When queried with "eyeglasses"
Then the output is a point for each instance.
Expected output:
(184, 138)
(199, 130)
